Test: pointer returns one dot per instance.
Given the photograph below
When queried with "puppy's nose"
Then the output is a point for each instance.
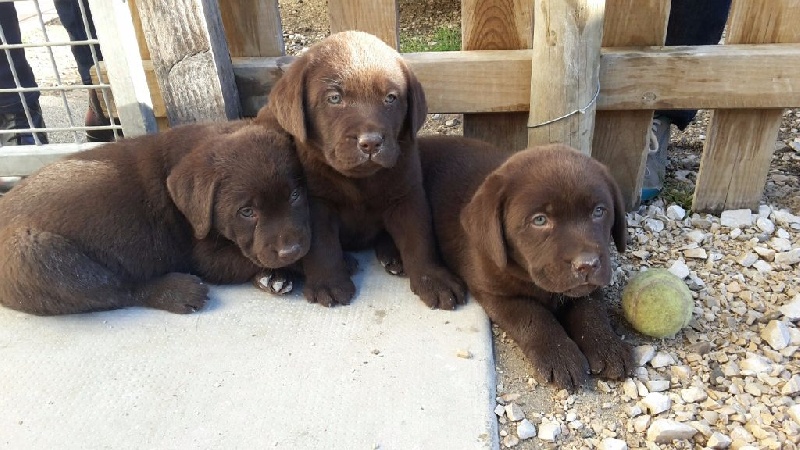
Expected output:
(289, 251)
(370, 143)
(585, 264)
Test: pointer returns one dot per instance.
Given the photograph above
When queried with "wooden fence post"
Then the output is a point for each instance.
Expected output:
(565, 71)
(740, 143)
(252, 29)
(378, 17)
(497, 25)
(116, 27)
(191, 60)
(621, 137)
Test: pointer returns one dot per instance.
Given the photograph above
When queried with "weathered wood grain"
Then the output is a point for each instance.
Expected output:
(378, 17)
(738, 150)
(497, 25)
(191, 59)
(620, 137)
(564, 77)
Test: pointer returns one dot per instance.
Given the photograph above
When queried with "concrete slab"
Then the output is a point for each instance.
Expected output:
(253, 371)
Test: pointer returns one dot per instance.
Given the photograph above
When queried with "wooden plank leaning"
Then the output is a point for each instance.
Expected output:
(740, 143)
(621, 137)
(497, 25)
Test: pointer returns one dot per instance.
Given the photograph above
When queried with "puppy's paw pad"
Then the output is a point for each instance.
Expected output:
(612, 359)
(330, 294)
(274, 282)
(178, 293)
(439, 289)
(561, 364)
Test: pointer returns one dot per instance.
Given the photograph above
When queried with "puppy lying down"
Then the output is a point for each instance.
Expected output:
(144, 221)
(530, 235)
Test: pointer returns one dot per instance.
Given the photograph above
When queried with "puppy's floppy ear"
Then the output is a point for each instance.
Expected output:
(482, 219)
(287, 99)
(619, 230)
(417, 106)
(192, 184)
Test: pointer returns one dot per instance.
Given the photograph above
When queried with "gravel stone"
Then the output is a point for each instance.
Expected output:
(676, 212)
(680, 269)
(792, 387)
(765, 225)
(719, 441)
(549, 431)
(514, 412)
(777, 335)
(748, 259)
(612, 444)
(791, 310)
(525, 429)
(643, 354)
(791, 257)
(662, 359)
(663, 431)
(656, 403)
(736, 218)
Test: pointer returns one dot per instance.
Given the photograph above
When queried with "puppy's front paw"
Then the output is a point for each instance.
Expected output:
(329, 292)
(609, 357)
(178, 293)
(439, 289)
(559, 362)
(274, 281)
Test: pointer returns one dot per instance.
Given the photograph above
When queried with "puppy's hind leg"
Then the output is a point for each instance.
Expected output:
(47, 274)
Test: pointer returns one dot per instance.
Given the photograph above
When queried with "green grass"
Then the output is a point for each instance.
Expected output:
(678, 193)
(444, 39)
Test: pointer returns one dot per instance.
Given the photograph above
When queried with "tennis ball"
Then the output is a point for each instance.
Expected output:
(657, 303)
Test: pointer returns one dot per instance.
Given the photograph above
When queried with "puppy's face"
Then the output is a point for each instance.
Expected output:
(552, 213)
(353, 98)
(248, 187)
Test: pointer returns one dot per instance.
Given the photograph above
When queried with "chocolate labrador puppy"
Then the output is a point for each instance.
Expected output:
(354, 109)
(530, 234)
(142, 221)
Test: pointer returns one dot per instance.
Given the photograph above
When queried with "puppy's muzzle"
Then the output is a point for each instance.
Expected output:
(585, 265)
(291, 251)
(370, 143)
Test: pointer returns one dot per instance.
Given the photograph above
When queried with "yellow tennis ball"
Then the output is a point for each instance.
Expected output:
(657, 303)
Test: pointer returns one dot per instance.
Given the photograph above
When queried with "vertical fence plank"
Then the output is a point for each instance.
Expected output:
(497, 25)
(253, 28)
(379, 17)
(191, 59)
(620, 137)
(566, 62)
(123, 63)
(739, 144)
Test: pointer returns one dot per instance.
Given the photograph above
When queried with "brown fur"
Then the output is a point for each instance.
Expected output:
(540, 283)
(354, 108)
(140, 222)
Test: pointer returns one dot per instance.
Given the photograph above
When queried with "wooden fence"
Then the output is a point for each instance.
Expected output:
(522, 64)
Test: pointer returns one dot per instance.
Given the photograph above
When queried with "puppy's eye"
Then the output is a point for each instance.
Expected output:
(247, 212)
(334, 98)
(295, 195)
(539, 220)
(391, 98)
(599, 211)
